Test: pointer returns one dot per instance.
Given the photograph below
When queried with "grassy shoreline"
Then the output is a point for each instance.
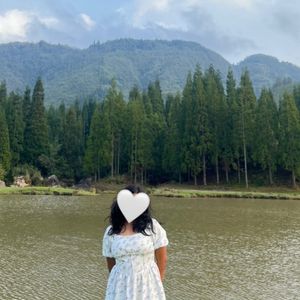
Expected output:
(42, 190)
(249, 194)
(177, 191)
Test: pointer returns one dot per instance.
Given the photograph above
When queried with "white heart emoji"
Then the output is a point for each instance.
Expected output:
(132, 205)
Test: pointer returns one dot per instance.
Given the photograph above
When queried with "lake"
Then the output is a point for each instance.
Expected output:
(50, 247)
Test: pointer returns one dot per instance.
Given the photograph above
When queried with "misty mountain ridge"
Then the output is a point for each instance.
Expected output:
(70, 73)
(267, 71)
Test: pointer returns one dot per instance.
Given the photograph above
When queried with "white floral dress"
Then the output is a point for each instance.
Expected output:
(135, 276)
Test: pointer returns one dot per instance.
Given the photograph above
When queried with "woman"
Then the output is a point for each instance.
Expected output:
(136, 255)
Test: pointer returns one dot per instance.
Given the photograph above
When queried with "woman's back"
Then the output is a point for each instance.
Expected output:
(135, 276)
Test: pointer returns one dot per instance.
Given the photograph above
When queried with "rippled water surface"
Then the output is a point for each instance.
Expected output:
(50, 248)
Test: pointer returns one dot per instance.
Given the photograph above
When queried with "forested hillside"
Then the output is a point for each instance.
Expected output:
(204, 134)
(267, 71)
(70, 73)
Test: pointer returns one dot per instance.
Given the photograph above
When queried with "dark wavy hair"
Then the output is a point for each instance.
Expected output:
(140, 224)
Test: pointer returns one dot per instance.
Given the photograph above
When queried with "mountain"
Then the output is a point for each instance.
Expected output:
(70, 73)
(267, 71)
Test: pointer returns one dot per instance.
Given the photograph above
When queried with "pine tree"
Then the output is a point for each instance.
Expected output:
(114, 107)
(289, 136)
(87, 113)
(53, 120)
(185, 125)
(136, 118)
(231, 152)
(296, 94)
(266, 133)
(27, 122)
(214, 98)
(5, 156)
(26, 106)
(147, 104)
(201, 133)
(194, 125)
(62, 123)
(247, 102)
(72, 146)
(155, 97)
(173, 143)
(157, 123)
(14, 113)
(36, 134)
(3, 93)
(97, 154)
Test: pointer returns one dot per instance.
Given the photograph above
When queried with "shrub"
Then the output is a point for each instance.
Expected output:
(31, 174)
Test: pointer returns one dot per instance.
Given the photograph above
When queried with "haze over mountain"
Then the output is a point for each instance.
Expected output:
(69, 73)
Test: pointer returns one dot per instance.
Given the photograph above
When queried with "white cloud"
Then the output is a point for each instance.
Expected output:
(169, 12)
(246, 4)
(87, 22)
(14, 25)
(49, 22)
(169, 26)
(146, 7)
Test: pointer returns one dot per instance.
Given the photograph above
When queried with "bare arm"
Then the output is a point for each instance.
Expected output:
(161, 260)
(110, 263)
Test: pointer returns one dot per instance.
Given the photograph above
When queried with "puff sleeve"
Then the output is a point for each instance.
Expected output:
(160, 236)
(106, 243)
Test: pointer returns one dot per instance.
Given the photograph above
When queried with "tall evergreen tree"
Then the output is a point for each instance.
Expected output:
(195, 125)
(201, 133)
(155, 97)
(185, 125)
(3, 93)
(14, 113)
(97, 154)
(232, 133)
(147, 103)
(173, 143)
(289, 136)
(247, 102)
(62, 123)
(296, 94)
(5, 156)
(157, 124)
(87, 113)
(53, 162)
(26, 120)
(114, 107)
(53, 119)
(36, 138)
(26, 105)
(73, 136)
(136, 118)
(266, 133)
(214, 98)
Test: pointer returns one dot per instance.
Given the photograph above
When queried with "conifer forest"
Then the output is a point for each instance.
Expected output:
(212, 132)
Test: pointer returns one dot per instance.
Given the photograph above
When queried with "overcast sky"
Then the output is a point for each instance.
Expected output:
(233, 28)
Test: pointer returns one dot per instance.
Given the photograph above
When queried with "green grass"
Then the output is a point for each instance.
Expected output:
(190, 193)
(41, 190)
(183, 191)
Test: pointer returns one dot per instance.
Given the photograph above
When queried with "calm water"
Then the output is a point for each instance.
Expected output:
(50, 248)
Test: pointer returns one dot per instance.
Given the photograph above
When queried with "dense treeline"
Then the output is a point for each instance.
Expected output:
(206, 134)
